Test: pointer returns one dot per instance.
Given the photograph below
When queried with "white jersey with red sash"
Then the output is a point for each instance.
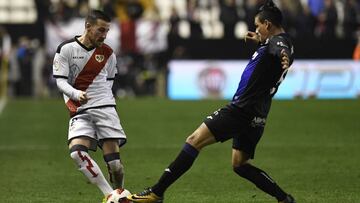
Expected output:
(90, 70)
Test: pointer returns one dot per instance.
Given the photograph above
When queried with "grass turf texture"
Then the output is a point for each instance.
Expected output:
(311, 148)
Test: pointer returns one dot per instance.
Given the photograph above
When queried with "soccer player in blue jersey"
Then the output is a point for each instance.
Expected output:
(243, 119)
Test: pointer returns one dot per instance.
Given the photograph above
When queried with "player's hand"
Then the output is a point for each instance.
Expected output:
(83, 98)
(252, 36)
(284, 59)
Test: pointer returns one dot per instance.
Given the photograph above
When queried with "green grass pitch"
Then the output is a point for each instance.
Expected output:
(311, 148)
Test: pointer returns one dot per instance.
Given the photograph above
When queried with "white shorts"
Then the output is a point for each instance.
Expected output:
(97, 124)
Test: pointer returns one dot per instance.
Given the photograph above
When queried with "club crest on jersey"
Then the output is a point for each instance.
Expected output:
(99, 58)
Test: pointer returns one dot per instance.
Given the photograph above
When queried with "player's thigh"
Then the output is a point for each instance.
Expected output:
(107, 123)
(224, 124)
(80, 141)
(201, 137)
(110, 146)
(247, 140)
(81, 130)
(109, 131)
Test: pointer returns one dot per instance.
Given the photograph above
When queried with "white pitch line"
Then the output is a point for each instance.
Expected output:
(2, 105)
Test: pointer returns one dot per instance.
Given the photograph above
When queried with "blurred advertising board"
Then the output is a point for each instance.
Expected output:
(323, 79)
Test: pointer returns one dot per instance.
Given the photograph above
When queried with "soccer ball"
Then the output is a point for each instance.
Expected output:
(118, 196)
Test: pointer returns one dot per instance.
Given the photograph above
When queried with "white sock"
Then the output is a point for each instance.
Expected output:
(91, 170)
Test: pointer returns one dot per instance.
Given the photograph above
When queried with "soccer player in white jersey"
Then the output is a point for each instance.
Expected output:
(85, 68)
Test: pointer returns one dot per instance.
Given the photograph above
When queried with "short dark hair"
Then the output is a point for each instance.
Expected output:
(269, 11)
(97, 14)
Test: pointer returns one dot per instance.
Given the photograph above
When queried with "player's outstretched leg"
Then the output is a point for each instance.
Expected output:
(79, 153)
(194, 143)
(177, 168)
(263, 181)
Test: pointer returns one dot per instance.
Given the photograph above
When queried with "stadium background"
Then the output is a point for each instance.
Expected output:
(310, 145)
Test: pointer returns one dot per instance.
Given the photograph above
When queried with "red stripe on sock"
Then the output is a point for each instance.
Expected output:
(89, 164)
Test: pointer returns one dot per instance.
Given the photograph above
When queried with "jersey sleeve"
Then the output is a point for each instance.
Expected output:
(67, 89)
(277, 44)
(112, 68)
(60, 65)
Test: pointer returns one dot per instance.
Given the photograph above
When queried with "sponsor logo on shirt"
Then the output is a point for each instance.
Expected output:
(78, 57)
(281, 44)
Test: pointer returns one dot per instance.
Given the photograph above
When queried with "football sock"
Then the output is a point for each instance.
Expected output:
(261, 180)
(116, 169)
(177, 168)
(89, 168)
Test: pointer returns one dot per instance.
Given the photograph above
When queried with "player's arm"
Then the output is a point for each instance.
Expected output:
(285, 60)
(71, 92)
(112, 70)
(252, 36)
(279, 48)
(60, 73)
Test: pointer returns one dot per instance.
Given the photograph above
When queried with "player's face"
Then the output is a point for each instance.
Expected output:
(98, 32)
(262, 29)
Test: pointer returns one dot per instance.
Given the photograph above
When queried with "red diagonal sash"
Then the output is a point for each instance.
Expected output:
(87, 75)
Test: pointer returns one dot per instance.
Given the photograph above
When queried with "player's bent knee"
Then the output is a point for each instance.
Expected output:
(196, 138)
(195, 141)
(75, 152)
(191, 139)
(113, 161)
(237, 163)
